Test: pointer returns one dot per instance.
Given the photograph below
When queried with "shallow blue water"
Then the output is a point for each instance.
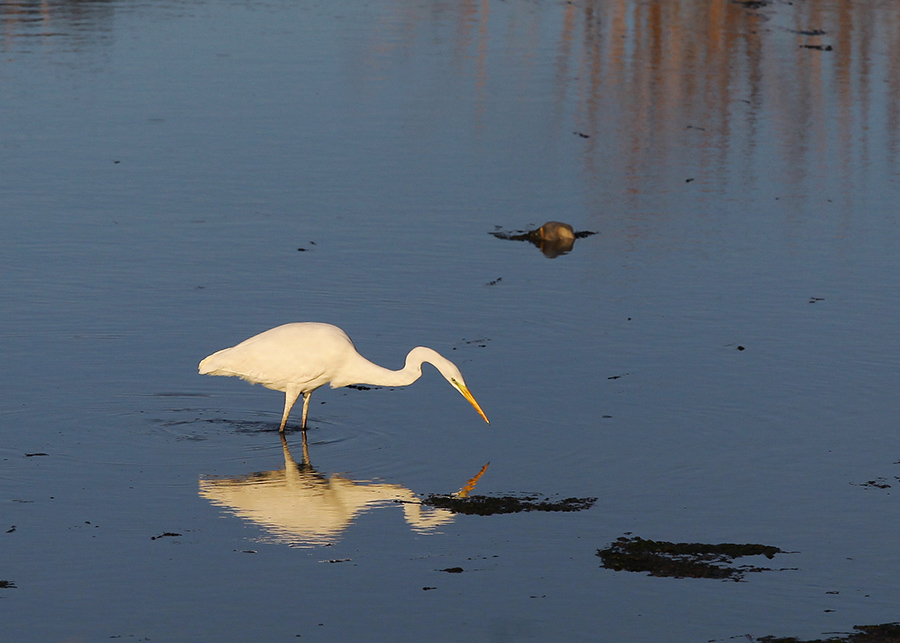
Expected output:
(177, 177)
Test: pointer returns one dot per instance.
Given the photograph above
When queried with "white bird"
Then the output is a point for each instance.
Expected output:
(298, 358)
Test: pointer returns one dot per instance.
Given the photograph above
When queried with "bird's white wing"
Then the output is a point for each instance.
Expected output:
(303, 356)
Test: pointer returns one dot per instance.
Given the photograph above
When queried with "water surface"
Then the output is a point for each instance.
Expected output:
(719, 363)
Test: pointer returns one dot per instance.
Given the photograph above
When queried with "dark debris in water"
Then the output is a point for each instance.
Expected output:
(877, 483)
(7, 584)
(808, 32)
(490, 505)
(682, 560)
(885, 633)
(166, 534)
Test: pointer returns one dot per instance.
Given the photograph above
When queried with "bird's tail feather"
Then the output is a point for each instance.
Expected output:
(213, 365)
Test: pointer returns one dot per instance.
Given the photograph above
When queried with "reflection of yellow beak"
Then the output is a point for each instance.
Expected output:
(465, 391)
(464, 492)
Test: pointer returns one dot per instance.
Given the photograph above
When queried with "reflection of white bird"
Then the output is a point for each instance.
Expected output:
(299, 358)
(299, 506)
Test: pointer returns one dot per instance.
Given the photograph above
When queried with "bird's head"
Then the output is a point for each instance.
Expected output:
(460, 386)
(448, 369)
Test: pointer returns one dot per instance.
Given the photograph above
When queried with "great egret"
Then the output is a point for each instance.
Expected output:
(298, 358)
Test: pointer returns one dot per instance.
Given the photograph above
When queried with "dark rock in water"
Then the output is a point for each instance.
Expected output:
(554, 238)
(555, 231)
(682, 560)
(885, 633)
(489, 505)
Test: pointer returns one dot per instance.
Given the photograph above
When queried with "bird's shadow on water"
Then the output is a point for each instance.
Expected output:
(204, 428)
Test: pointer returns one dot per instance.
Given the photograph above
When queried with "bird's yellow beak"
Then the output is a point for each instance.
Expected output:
(465, 392)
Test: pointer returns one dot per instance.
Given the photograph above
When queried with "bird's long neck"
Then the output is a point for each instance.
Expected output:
(366, 372)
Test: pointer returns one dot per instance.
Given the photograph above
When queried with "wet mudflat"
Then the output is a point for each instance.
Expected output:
(717, 363)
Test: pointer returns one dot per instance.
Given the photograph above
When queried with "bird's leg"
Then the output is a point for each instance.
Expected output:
(306, 397)
(305, 451)
(290, 396)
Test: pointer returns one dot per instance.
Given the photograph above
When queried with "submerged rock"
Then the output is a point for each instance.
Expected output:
(554, 238)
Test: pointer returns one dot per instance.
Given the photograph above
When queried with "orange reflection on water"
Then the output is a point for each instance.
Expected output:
(736, 86)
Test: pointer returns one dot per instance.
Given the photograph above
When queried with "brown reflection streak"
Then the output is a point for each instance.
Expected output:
(654, 80)
(566, 43)
(893, 80)
(481, 59)
(39, 22)
(697, 64)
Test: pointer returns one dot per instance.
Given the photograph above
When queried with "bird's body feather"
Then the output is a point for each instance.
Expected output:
(300, 357)
(282, 357)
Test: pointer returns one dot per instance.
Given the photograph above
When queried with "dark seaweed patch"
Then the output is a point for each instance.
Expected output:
(682, 560)
(490, 505)
(877, 483)
(885, 633)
